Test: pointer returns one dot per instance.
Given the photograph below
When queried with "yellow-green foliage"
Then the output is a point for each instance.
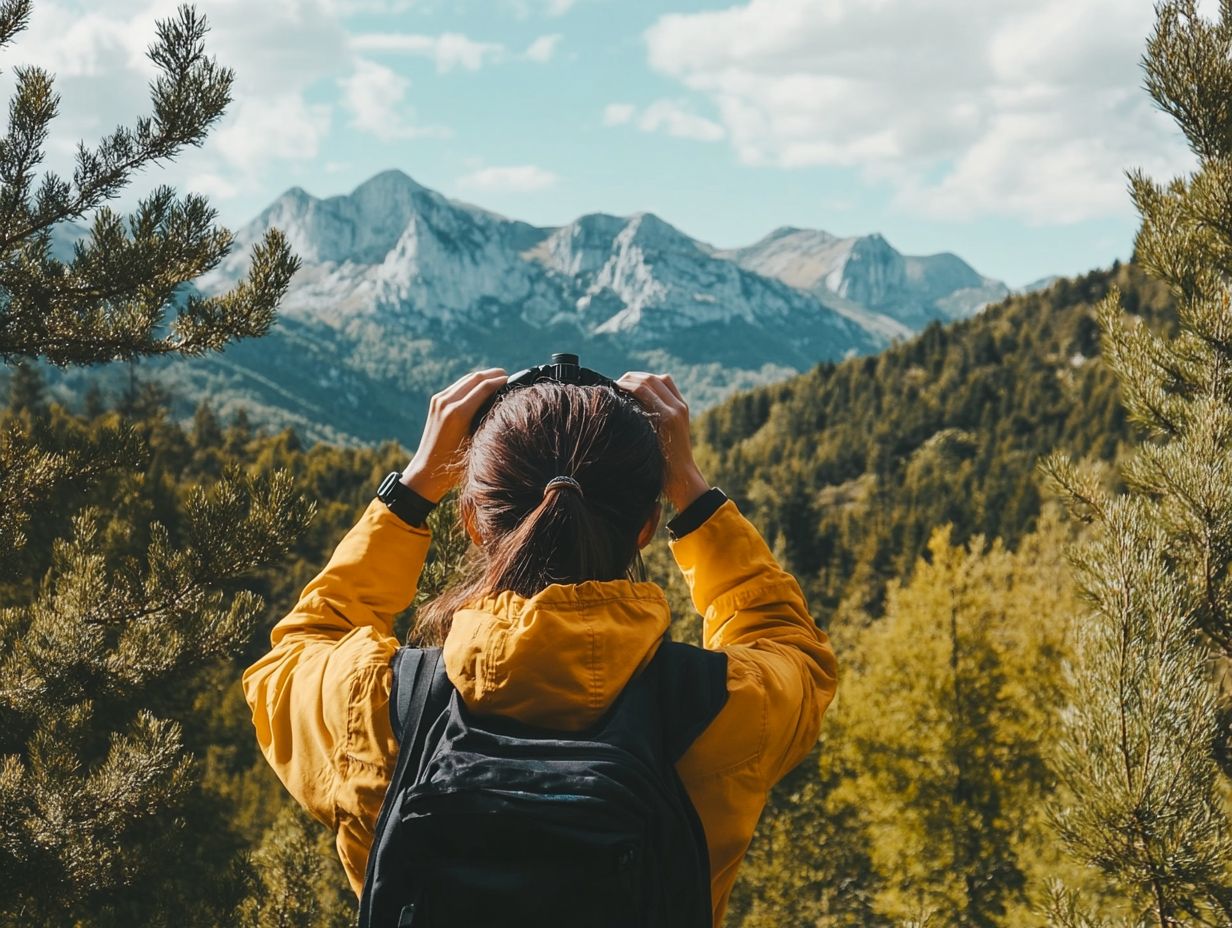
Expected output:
(297, 878)
(850, 467)
(1144, 753)
(933, 786)
(944, 717)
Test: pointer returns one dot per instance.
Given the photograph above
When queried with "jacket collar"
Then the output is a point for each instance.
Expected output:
(556, 659)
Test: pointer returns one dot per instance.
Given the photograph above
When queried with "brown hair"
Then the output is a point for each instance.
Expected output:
(532, 538)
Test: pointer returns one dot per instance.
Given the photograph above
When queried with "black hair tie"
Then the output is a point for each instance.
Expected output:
(557, 482)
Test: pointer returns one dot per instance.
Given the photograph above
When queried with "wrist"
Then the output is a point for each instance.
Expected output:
(420, 479)
(403, 501)
(685, 491)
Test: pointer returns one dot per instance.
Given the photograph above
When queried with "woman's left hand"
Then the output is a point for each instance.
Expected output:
(433, 470)
(683, 483)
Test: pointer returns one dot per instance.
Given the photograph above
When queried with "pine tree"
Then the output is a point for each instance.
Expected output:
(298, 877)
(945, 709)
(27, 390)
(1147, 804)
(99, 654)
(207, 433)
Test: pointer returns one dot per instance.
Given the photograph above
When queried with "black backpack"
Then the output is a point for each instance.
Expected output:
(488, 823)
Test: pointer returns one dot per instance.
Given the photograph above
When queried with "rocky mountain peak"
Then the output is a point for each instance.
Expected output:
(393, 181)
(873, 273)
(649, 231)
(583, 246)
(392, 248)
(870, 272)
(402, 288)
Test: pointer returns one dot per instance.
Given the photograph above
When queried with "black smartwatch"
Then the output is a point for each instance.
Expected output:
(404, 502)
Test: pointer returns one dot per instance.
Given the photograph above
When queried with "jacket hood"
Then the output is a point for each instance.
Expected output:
(556, 659)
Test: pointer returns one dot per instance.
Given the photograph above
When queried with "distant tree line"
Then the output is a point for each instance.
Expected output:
(1032, 724)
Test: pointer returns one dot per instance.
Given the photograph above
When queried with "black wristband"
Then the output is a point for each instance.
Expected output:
(404, 502)
(696, 513)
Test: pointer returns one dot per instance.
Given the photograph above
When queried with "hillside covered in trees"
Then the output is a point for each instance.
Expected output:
(1033, 721)
(850, 467)
(963, 413)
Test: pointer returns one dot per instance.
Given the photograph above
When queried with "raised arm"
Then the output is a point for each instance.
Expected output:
(337, 641)
(781, 668)
(320, 697)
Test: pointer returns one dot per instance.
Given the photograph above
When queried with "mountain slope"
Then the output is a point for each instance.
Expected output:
(402, 289)
(849, 467)
(868, 271)
(399, 252)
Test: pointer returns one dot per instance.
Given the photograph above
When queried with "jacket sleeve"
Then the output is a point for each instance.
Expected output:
(320, 697)
(782, 672)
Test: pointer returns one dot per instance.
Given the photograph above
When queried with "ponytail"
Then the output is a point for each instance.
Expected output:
(534, 535)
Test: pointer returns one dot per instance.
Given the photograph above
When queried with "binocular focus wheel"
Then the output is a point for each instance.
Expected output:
(563, 368)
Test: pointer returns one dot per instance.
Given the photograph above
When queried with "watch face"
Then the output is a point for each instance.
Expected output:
(388, 484)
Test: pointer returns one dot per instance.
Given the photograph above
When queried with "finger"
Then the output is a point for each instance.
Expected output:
(635, 381)
(671, 385)
(652, 401)
(669, 398)
(630, 379)
(481, 390)
(467, 382)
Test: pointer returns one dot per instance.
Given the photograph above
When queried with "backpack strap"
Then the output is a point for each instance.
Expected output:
(692, 691)
(419, 681)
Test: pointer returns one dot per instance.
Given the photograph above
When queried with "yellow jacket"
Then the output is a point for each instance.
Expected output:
(320, 697)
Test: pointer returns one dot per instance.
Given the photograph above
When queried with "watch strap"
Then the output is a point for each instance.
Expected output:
(404, 502)
(696, 514)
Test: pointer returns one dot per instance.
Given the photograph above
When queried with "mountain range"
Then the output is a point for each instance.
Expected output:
(402, 289)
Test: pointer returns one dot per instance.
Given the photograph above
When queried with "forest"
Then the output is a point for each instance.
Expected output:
(1016, 528)
(814, 861)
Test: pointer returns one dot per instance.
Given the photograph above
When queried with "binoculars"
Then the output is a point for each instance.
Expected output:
(562, 368)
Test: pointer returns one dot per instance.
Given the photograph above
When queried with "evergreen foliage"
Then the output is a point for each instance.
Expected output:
(108, 616)
(1147, 803)
(146, 560)
(848, 469)
(112, 300)
(930, 804)
(820, 857)
(820, 854)
(294, 889)
(945, 724)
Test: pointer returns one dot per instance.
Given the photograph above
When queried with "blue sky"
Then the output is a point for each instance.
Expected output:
(999, 131)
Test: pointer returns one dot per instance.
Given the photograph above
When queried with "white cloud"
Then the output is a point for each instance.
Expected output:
(285, 127)
(668, 116)
(376, 98)
(374, 94)
(674, 119)
(520, 178)
(617, 114)
(211, 185)
(543, 48)
(1029, 108)
(550, 8)
(97, 52)
(353, 7)
(449, 50)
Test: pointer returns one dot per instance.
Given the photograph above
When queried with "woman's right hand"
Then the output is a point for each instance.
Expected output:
(683, 481)
(433, 470)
